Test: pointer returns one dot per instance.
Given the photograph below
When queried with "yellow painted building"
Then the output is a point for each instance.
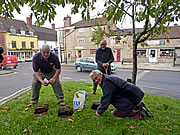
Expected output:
(23, 46)
(18, 39)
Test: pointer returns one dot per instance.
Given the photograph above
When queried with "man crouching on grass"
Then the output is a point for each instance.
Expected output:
(46, 65)
(124, 96)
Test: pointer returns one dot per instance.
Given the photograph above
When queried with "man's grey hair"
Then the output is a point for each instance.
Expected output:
(97, 72)
(45, 46)
(104, 41)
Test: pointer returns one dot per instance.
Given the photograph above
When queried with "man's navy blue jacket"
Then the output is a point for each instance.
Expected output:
(120, 93)
(104, 56)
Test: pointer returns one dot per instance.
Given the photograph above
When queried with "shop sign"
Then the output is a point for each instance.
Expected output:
(156, 42)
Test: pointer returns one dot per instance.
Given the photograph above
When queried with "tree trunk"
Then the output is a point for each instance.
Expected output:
(134, 72)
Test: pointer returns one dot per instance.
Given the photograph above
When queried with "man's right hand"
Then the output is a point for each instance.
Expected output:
(44, 83)
(105, 65)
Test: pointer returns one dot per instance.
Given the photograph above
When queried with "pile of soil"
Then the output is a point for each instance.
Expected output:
(65, 112)
(40, 109)
(95, 105)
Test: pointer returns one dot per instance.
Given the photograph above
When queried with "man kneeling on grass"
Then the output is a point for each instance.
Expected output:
(124, 96)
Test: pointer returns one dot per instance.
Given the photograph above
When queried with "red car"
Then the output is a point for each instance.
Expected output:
(10, 61)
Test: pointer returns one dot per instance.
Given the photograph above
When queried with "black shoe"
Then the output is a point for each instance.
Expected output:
(144, 110)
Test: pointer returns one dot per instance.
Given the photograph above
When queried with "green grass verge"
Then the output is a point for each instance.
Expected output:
(16, 118)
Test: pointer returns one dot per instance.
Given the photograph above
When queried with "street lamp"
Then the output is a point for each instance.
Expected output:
(65, 47)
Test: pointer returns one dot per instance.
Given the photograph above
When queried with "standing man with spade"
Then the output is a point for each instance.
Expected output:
(104, 57)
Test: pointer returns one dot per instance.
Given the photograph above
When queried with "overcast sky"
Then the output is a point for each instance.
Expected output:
(60, 14)
(63, 12)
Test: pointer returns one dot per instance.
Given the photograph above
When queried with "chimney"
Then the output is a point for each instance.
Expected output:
(29, 21)
(53, 26)
(67, 21)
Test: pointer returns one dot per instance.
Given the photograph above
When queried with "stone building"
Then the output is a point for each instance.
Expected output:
(162, 49)
(74, 41)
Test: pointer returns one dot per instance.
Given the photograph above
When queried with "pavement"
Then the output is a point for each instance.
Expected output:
(3, 72)
(141, 66)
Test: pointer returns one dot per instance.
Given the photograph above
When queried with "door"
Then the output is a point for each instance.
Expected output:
(177, 56)
(118, 55)
(79, 54)
(152, 55)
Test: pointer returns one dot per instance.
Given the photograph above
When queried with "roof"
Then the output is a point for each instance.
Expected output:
(90, 23)
(172, 33)
(45, 33)
(16, 24)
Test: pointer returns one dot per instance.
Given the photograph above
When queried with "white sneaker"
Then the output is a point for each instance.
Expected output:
(30, 105)
(62, 104)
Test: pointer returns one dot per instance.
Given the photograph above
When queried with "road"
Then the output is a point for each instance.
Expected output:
(153, 82)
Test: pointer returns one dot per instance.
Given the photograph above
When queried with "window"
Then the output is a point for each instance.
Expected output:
(32, 44)
(13, 31)
(23, 32)
(162, 42)
(90, 39)
(83, 60)
(177, 51)
(95, 28)
(81, 40)
(31, 33)
(141, 53)
(90, 60)
(93, 51)
(81, 30)
(117, 40)
(60, 33)
(13, 44)
(23, 44)
(166, 52)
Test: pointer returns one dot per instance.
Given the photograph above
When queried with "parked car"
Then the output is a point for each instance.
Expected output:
(89, 64)
(10, 61)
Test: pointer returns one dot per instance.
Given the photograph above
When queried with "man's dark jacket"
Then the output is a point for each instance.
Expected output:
(120, 93)
(104, 56)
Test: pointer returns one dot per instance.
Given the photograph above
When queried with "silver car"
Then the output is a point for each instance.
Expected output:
(89, 64)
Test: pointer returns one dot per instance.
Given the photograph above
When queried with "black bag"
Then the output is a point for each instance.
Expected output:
(1, 50)
(1, 58)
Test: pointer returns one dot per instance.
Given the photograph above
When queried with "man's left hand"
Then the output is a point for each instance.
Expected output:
(52, 80)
